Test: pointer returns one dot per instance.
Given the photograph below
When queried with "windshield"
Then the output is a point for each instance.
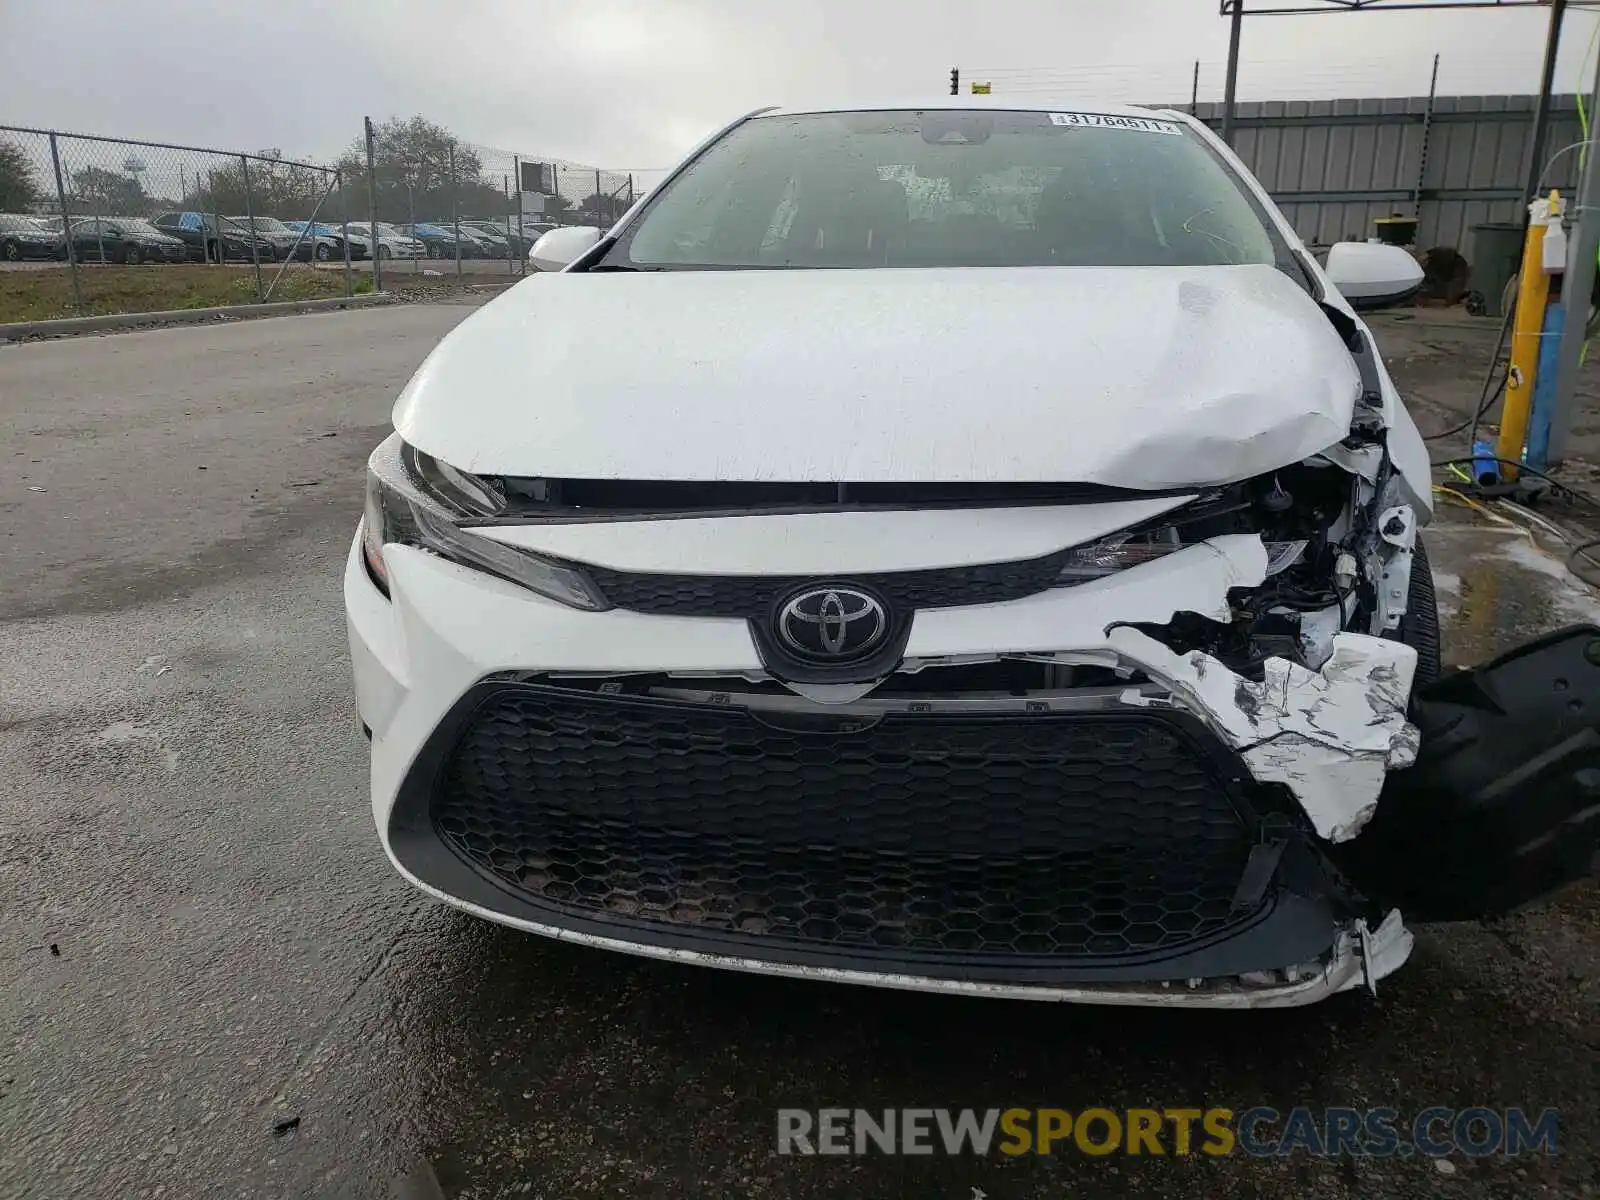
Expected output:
(268, 224)
(951, 189)
(132, 225)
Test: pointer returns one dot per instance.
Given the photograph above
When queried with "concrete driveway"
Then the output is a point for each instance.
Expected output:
(211, 983)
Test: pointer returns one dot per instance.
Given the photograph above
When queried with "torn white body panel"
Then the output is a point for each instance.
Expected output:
(1330, 735)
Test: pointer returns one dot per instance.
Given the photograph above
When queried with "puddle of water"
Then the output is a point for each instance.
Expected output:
(1497, 589)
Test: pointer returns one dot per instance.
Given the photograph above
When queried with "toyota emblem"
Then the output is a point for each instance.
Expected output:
(832, 624)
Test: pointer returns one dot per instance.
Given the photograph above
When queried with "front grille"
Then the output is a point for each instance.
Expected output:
(754, 595)
(1061, 834)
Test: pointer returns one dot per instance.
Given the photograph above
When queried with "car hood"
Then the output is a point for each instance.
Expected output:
(1130, 377)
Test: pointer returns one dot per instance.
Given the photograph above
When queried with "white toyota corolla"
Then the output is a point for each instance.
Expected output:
(948, 547)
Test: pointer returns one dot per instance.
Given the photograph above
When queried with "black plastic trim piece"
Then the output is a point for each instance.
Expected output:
(1502, 806)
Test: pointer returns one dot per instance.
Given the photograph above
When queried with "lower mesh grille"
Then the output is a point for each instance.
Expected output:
(1051, 834)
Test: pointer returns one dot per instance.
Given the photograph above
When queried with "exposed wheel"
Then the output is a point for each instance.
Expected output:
(11, 251)
(385, 252)
(1419, 627)
(324, 252)
(131, 256)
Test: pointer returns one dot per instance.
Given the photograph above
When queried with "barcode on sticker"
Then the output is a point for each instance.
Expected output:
(1106, 121)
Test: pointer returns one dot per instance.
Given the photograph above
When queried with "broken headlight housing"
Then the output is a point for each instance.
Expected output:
(1124, 550)
(414, 499)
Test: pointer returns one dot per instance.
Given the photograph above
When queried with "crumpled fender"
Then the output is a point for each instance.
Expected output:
(1331, 735)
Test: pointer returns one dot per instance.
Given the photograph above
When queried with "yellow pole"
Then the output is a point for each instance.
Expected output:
(1533, 291)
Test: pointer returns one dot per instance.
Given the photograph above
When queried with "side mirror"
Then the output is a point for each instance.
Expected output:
(560, 248)
(1373, 274)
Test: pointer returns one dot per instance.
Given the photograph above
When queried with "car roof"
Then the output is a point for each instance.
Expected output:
(991, 102)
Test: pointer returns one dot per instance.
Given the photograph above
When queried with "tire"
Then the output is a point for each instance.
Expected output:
(11, 251)
(385, 253)
(131, 256)
(324, 253)
(1419, 627)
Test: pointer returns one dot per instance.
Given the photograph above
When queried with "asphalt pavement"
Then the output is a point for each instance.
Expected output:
(212, 984)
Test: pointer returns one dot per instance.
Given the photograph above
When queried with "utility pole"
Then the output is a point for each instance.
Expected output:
(955, 81)
(1577, 284)
(1541, 112)
(372, 211)
(455, 206)
(1427, 133)
(1231, 88)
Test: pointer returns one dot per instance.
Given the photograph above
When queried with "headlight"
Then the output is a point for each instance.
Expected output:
(1123, 550)
(416, 500)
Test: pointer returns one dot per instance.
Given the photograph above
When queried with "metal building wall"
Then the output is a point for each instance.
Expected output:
(1335, 165)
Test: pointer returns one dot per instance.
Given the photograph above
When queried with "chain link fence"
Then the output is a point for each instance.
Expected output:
(446, 206)
(87, 202)
(406, 196)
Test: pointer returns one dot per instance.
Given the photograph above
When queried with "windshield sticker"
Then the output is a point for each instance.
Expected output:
(1106, 121)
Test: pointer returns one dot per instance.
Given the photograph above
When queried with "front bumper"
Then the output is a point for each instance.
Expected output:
(1111, 853)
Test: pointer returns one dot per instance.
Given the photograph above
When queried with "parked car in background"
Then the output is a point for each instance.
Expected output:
(441, 240)
(494, 244)
(391, 242)
(23, 237)
(437, 243)
(497, 229)
(506, 245)
(286, 242)
(210, 238)
(331, 240)
(128, 240)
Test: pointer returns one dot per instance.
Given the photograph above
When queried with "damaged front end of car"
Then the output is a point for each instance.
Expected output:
(1188, 746)
(1383, 785)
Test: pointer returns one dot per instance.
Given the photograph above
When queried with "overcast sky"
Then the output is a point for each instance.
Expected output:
(632, 84)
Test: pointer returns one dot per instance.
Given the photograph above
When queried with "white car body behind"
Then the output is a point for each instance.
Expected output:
(1163, 381)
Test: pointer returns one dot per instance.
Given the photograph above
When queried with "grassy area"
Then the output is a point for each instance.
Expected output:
(46, 294)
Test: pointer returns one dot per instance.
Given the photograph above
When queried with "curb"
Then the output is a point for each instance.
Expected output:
(184, 316)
